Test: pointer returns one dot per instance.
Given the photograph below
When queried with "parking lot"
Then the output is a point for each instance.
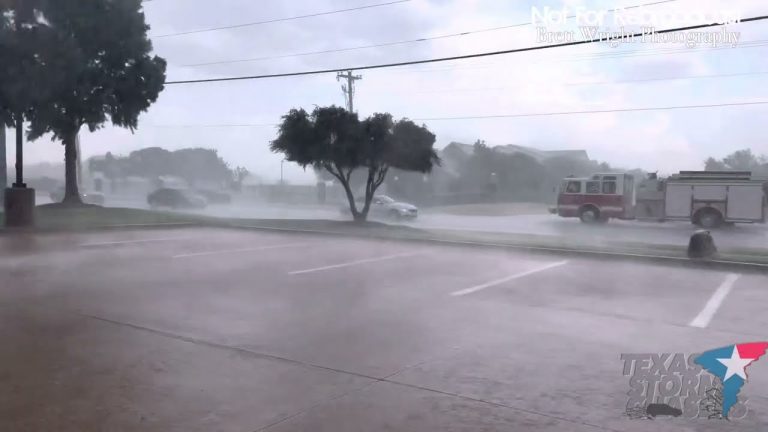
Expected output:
(202, 329)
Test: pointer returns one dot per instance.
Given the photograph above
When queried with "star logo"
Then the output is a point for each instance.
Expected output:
(735, 365)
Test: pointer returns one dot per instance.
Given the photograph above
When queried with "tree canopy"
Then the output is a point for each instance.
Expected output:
(29, 54)
(113, 76)
(335, 140)
(108, 72)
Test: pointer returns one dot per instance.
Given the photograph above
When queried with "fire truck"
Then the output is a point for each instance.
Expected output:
(705, 198)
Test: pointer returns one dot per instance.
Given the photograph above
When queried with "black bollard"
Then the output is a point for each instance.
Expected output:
(701, 245)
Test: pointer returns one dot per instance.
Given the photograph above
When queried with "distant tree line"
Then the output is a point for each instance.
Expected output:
(489, 173)
(742, 160)
(193, 165)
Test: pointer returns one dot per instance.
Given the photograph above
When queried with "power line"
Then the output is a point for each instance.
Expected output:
(644, 80)
(586, 57)
(355, 48)
(603, 111)
(496, 116)
(230, 125)
(402, 42)
(251, 24)
(591, 83)
(595, 56)
(443, 59)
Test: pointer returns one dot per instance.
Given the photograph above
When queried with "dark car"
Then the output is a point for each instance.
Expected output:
(215, 197)
(175, 199)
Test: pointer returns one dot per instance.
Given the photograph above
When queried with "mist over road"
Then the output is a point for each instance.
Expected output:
(668, 233)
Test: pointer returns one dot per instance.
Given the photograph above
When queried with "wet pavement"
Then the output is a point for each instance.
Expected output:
(739, 236)
(733, 238)
(201, 329)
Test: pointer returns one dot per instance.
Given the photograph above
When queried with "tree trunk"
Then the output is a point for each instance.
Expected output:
(356, 215)
(376, 176)
(71, 192)
(339, 174)
(369, 190)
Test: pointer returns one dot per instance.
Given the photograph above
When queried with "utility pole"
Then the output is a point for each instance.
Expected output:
(349, 88)
(3, 164)
(79, 164)
(19, 152)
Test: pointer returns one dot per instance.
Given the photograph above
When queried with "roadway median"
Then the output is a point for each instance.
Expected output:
(756, 259)
(55, 218)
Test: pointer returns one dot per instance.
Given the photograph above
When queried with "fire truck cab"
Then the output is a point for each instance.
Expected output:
(597, 198)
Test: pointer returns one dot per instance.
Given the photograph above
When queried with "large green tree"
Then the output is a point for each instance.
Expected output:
(335, 140)
(30, 65)
(111, 73)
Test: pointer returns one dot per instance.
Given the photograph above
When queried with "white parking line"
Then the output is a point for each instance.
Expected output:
(352, 263)
(132, 241)
(477, 288)
(251, 249)
(705, 316)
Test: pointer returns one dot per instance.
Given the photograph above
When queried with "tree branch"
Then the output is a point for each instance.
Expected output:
(369, 189)
(329, 168)
(380, 177)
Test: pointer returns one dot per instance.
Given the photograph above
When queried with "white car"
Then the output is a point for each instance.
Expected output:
(383, 206)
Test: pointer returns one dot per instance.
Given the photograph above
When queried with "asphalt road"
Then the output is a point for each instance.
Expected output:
(195, 329)
(571, 229)
(753, 236)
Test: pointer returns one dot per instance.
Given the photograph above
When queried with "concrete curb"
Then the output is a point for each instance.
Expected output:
(587, 253)
(37, 230)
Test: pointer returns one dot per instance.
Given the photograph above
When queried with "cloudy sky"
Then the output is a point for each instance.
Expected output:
(237, 117)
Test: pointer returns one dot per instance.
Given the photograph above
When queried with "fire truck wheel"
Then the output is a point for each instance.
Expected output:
(709, 218)
(589, 214)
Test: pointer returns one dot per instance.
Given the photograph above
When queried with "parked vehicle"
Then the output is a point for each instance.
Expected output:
(95, 198)
(383, 206)
(214, 197)
(706, 198)
(176, 199)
